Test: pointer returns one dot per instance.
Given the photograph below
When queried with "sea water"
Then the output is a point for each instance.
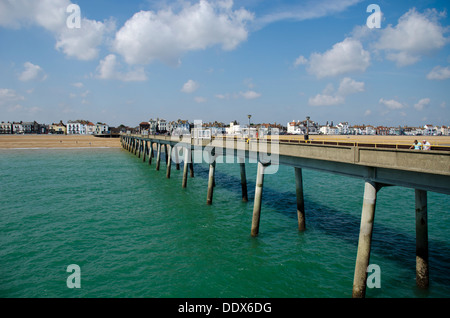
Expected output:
(135, 233)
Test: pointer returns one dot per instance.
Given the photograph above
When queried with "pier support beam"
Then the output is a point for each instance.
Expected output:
(300, 200)
(258, 199)
(150, 153)
(139, 147)
(158, 157)
(422, 274)
(169, 160)
(211, 181)
(187, 156)
(144, 150)
(243, 180)
(209, 196)
(191, 165)
(177, 160)
(365, 239)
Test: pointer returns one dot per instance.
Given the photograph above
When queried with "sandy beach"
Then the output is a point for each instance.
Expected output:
(57, 141)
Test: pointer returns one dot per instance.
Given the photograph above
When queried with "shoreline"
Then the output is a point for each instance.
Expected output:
(56, 142)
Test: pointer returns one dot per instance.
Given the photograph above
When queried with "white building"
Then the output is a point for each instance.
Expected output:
(76, 127)
(343, 128)
(429, 130)
(294, 127)
(17, 128)
(90, 128)
(101, 129)
(162, 125)
(370, 130)
(5, 128)
(234, 129)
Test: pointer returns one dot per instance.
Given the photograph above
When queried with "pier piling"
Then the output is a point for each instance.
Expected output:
(243, 179)
(144, 150)
(422, 274)
(365, 239)
(300, 200)
(258, 200)
(187, 155)
(158, 156)
(150, 153)
(212, 168)
(169, 160)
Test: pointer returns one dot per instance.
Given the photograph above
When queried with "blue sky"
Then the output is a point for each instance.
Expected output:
(212, 60)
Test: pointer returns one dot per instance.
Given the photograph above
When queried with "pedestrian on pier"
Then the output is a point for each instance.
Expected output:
(416, 146)
(426, 145)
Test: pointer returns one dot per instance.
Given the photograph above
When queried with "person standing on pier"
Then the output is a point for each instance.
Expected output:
(416, 146)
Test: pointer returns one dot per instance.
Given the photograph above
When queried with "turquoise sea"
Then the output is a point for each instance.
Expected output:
(135, 233)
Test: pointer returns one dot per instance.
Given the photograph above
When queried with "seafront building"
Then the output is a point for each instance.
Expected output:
(181, 127)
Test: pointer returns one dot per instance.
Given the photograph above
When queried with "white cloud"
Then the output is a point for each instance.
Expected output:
(439, 73)
(81, 43)
(165, 35)
(326, 100)
(368, 112)
(222, 96)
(301, 10)
(422, 103)
(347, 86)
(391, 104)
(9, 100)
(250, 94)
(78, 84)
(301, 60)
(9, 95)
(108, 69)
(415, 34)
(32, 72)
(200, 99)
(190, 86)
(344, 57)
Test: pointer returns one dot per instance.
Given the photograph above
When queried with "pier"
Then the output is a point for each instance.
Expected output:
(379, 167)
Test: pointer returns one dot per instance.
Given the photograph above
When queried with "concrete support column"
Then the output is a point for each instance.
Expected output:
(243, 180)
(135, 145)
(300, 200)
(422, 274)
(150, 153)
(166, 155)
(258, 199)
(191, 165)
(158, 157)
(169, 160)
(140, 147)
(365, 240)
(177, 160)
(212, 168)
(144, 150)
(187, 156)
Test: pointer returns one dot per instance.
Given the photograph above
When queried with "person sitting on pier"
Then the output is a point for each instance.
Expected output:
(416, 146)
(426, 145)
